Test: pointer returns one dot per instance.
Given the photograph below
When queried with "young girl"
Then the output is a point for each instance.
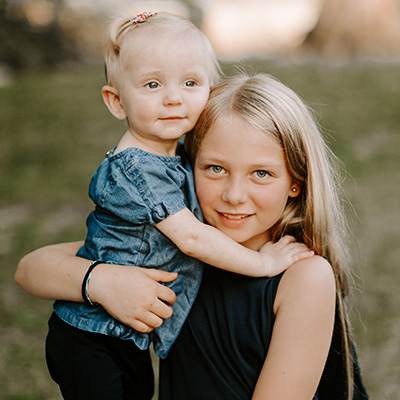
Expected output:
(257, 124)
(285, 337)
(159, 71)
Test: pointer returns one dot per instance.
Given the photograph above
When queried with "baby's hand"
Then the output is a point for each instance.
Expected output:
(279, 256)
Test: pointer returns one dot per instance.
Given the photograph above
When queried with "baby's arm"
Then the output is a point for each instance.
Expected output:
(213, 247)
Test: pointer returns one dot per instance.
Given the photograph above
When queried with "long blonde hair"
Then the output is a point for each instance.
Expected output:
(316, 216)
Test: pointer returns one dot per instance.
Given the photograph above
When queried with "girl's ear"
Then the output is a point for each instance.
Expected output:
(112, 100)
(295, 189)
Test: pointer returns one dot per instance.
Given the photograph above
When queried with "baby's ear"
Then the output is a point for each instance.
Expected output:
(112, 100)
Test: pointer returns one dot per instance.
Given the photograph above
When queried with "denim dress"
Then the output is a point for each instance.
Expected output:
(133, 191)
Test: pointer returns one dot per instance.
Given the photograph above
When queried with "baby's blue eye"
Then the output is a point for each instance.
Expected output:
(153, 85)
(190, 83)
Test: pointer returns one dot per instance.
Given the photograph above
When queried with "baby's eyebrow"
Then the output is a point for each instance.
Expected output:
(196, 74)
(149, 74)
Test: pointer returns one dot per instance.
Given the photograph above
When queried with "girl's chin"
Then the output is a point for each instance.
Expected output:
(254, 243)
(247, 239)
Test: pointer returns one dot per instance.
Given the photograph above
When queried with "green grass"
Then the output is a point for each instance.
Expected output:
(55, 131)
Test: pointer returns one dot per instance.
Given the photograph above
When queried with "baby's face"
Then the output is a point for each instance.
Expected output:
(164, 84)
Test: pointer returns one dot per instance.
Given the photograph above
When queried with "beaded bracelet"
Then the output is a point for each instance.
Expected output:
(85, 283)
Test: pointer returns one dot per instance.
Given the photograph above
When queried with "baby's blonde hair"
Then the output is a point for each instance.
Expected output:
(121, 25)
(316, 216)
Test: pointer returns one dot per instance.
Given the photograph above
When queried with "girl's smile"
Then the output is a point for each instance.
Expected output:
(241, 181)
(233, 217)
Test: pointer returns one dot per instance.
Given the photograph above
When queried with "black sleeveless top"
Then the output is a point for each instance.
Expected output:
(223, 343)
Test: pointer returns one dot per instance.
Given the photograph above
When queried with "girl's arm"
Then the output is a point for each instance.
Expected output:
(53, 272)
(132, 295)
(213, 247)
(302, 333)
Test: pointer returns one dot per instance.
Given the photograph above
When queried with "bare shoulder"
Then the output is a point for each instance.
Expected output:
(314, 270)
(311, 279)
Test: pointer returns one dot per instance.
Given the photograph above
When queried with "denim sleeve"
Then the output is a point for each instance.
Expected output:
(146, 191)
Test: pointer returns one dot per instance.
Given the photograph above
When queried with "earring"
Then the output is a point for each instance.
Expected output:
(294, 189)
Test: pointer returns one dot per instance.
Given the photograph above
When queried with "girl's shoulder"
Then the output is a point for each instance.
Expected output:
(310, 281)
(312, 269)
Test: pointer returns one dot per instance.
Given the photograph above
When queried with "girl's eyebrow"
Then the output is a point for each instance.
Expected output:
(257, 164)
(268, 163)
(209, 159)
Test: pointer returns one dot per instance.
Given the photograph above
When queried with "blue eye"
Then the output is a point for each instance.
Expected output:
(261, 174)
(190, 84)
(216, 169)
(153, 85)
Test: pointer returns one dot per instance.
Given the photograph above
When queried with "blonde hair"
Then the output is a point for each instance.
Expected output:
(121, 25)
(316, 216)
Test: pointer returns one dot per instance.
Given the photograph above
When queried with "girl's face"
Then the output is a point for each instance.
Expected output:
(242, 182)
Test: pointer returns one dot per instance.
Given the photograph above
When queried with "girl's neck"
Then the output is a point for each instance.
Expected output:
(158, 147)
(255, 243)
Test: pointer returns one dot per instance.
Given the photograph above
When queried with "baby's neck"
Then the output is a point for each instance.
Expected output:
(158, 147)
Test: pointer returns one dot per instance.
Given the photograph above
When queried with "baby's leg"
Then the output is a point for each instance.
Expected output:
(94, 366)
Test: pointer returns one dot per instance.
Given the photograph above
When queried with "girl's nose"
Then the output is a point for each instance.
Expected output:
(234, 192)
(172, 97)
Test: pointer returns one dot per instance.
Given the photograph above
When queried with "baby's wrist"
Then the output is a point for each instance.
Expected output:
(266, 263)
(257, 267)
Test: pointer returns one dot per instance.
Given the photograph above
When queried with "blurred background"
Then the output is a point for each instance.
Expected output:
(342, 57)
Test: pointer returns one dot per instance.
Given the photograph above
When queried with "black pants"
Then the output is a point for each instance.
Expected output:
(94, 366)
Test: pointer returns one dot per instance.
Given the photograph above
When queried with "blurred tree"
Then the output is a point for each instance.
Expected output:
(356, 28)
(24, 46)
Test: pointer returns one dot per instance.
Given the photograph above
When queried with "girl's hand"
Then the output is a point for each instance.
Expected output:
(133, 295)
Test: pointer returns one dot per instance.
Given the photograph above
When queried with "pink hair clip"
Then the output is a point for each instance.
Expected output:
(141, 17)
